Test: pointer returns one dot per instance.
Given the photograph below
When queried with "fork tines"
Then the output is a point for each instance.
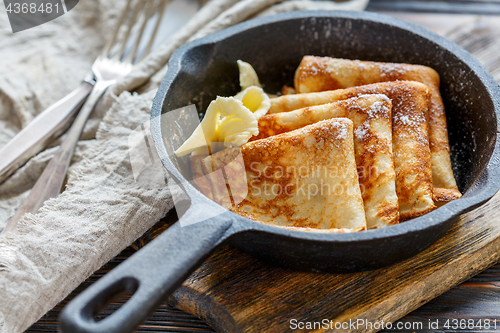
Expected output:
(140, 19)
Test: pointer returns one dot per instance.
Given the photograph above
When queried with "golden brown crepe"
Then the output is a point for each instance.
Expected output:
(286, 90)
(226, 174)
(199, 178)
(371, 116)
(409, 136)
(316, 74)
(304, 178)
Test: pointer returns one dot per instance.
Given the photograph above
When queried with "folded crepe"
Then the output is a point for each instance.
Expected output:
(201, 182)
(410, 145)
(371, 117)
(226, 173)
(323, 73)
(304, 178)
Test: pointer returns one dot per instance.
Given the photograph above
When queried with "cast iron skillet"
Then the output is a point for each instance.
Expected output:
(203, 69)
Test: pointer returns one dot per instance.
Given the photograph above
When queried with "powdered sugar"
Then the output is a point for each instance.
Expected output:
(405, 120)
(362, 131)
(391, 70)
(377, 108)
(408, 120)
(380, 96)
(337, 128)
(342, 130)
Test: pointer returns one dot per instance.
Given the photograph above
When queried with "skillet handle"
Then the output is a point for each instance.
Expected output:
(153, 273)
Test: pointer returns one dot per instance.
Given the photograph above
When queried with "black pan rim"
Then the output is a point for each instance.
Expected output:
(450, 211)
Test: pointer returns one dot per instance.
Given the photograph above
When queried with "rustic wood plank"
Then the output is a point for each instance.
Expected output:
(469, 304)
(492, 274)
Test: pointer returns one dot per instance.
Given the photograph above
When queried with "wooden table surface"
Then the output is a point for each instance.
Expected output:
(477, 298)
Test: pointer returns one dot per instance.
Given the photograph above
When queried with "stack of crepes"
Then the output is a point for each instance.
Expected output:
(355, 145)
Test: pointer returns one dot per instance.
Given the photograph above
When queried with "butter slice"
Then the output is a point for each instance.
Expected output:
(237, 123)
(248, 76)
(231, 121)
(227, 120)
(256, 100)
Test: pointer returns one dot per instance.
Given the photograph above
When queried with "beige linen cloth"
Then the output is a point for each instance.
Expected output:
(102, 209)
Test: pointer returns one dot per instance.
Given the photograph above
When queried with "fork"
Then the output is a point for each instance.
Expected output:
(110, 66)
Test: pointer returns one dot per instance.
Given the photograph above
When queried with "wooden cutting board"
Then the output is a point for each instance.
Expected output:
(234, 292)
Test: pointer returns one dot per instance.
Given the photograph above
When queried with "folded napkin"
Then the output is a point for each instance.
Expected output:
(103, 208)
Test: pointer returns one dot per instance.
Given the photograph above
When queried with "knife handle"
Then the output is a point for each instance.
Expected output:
(52, 178)
(47, 126)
